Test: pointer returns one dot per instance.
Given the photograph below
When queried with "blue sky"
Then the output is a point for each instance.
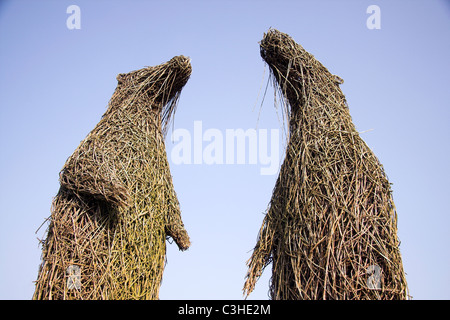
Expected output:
(55, 84)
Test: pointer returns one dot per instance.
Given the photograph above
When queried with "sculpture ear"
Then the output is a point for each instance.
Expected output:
(120, 77)
(338, 79)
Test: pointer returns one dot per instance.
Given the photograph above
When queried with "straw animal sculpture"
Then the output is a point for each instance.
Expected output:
(330, 231)
(116, 203)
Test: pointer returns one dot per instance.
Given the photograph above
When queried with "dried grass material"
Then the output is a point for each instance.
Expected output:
(331, 223)
(117, 203)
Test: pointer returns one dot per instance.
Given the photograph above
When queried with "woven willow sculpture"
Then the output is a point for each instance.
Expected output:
(330, 231)
(116, 204)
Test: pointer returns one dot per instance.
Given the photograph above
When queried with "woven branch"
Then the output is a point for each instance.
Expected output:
(117, 204)
(331, 222)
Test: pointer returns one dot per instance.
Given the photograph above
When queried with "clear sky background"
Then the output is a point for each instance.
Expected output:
(55, 84)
